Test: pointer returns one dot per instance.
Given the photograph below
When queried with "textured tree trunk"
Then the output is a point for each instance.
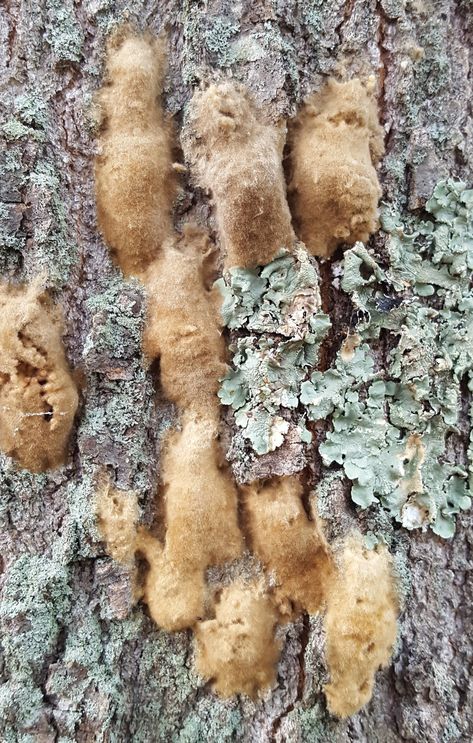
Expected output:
(79, 662)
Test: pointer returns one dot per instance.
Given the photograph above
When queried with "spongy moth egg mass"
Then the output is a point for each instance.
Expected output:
(134, 178)
(361, 625)
(182, 324)
(288, 544)
(335, 143)
(238, 157)
(238, 649)
(38, 396)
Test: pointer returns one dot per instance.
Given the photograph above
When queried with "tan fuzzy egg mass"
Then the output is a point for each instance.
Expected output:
(237, 157)
(237, 650)
(183, 324)
(200, 496)
(360, 625)
(202, 525)
(174, 593)
(135, 185)
(289, 544)
(38, 397)
(335, 143)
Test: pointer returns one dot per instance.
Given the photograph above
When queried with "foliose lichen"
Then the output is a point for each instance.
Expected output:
(277, 313)
(390, 432)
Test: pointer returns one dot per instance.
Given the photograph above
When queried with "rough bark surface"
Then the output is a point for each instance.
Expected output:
(78, 662)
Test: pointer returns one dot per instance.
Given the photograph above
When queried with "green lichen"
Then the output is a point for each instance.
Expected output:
(430, 75)
(12, 234)
(310, 723)
(213, 720)
(34, 607)
(14, 130)
(281, 52)
(79, 534)
(389, 427)
(217, 38)
(390, 434)
(88, 681)
(39, 621)
(51, 250)
(29, 120)
(312, 17)
(126, 410)
(54, 252)
(369, 451)
(277, 313)
(86, 649)
(35, 601)
(118, 320)
(384, 462)
(438, 252)
(11, 159)
(247, 48)
(11, 241)
(21, 704)
(193, 28)
(164, 665)
(320, 24)
(118, 414)
(63, 32)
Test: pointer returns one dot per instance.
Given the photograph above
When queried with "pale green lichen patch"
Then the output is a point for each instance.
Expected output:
(217, 38)
(389, 419)
(382, 463)
(35, 600)
(14, 129)
(211, 720)
(90, 690)
(54, 252)
(29, 120)
(61, 656)
(390, 432)
(63, 32)
(438, 252)
(33, 610)
(35, 237)
(79, 533)
(117, 418)
(117, 322)
(36, 234)
(280, 49)
(276, 311)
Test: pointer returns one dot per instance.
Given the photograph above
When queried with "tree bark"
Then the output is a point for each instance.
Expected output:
(79, 662)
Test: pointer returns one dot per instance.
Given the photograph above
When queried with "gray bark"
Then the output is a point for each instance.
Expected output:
(78, 662)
